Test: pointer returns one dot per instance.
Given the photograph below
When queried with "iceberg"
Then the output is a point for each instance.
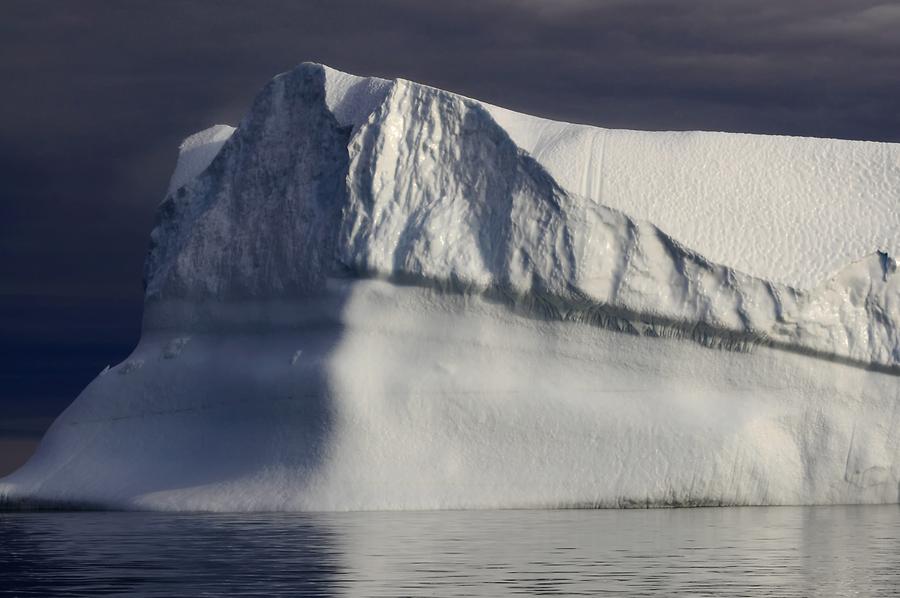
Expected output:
(375, 294)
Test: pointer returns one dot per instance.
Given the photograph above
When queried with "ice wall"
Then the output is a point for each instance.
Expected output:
(377, 294)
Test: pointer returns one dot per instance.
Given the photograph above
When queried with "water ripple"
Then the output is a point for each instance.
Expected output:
(782, 551)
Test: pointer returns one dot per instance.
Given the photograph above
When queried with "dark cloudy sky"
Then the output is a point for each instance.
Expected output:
(96, 96)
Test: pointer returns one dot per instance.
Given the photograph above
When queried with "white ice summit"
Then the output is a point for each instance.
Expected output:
(375, 294)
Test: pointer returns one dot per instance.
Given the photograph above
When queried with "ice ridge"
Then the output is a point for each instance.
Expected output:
(428, 186)
(790, 210)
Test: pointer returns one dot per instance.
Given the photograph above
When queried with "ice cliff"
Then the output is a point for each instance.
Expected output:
(377, 294)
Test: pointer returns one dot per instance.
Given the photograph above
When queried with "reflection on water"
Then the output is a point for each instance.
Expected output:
(787, 551)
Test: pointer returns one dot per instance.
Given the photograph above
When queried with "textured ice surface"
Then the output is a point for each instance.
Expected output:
(791, 210)
(376, 294)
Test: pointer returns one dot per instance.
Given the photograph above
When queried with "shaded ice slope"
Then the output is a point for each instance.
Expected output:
(373, 297)
(261, 220)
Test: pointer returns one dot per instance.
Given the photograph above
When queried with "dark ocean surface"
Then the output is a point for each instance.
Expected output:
(780, 551)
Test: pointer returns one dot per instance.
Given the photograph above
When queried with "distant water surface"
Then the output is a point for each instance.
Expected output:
(782, 551)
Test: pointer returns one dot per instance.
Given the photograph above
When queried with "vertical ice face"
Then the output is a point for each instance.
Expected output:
(262, 218)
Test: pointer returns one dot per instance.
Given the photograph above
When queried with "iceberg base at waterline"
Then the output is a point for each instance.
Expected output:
(381, 396)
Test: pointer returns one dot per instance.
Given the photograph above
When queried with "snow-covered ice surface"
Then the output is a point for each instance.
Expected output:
(791, 210)
(375, 294)
(196, 152)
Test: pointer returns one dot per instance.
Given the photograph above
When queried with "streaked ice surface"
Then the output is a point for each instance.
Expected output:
(766, 551)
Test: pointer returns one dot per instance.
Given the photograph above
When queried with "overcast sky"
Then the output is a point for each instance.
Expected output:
(97, 95)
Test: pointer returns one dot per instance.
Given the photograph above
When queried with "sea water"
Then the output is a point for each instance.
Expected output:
(773, 551)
